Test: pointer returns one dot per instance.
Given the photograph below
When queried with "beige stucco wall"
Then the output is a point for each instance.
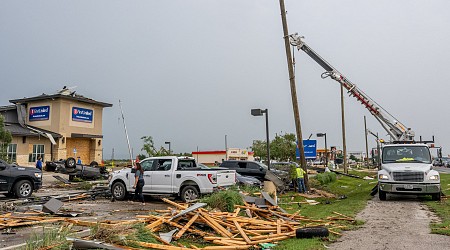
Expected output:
(60, 121)
(24, 149)
(208, 158)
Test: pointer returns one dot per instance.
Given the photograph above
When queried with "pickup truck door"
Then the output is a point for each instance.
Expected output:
(5, 176)
(147, 166)
(162, 176)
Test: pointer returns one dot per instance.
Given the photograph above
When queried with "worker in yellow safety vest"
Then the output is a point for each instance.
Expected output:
(301, 180)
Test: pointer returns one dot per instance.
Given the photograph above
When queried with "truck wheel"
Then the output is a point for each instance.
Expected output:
(70, 162)
(189, 193)
(382, 195)
(23, 189)
(93, 164)
(436, 196)
(118, 191)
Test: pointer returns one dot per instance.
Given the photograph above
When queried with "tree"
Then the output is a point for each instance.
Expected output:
(260, 149)
(282, 148)
(5, 139)
(149, 147)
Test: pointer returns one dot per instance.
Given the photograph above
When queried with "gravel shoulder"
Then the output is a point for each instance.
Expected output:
(398, 223)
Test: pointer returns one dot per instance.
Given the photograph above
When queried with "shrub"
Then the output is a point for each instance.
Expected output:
(326, 177)
(224, 200)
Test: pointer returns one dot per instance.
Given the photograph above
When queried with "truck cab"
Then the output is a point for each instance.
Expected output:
(407, 169)
(171, 175)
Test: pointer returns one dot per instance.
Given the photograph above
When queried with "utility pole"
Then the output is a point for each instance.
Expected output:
(344, 144)
(367, 145)
(298, 127)
(226, 149)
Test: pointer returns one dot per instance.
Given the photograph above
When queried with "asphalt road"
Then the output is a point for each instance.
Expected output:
(442, 170)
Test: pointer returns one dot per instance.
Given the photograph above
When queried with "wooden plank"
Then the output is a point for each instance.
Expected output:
(155, 224)
(183, 230)
(244, 235)
(217, 225)
(226, 247)
(159, 246)
(278, 226)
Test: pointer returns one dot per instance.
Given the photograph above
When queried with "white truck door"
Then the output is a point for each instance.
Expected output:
(147, 167)
(162, 176)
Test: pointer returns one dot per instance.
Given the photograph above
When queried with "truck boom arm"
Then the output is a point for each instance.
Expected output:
(395, 129)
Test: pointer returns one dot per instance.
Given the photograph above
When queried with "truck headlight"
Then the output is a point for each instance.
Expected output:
(383, 177)
(38, 175)
(434, 177)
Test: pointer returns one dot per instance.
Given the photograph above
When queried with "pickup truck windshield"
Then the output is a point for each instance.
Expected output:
(406, 154)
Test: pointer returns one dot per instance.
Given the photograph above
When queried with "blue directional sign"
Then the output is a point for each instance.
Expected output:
(39, 113)
(310, 148)
(82, 115)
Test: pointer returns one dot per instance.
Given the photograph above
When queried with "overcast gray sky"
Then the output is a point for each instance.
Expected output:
(190, 71)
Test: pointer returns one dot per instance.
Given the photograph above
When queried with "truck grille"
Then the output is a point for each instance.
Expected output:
(408, 176)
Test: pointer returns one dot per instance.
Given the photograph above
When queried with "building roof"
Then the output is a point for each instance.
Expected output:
(66, 95)
(17, 130)
(6, 108)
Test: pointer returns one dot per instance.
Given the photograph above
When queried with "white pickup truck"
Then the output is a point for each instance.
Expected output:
(171, 175)
(407, 169)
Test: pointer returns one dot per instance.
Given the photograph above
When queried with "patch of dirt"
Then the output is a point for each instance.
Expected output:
(398, 223)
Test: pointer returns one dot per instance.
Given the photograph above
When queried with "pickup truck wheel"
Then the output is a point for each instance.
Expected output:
(189, 193)
(382, 195)
(436, 196)
(23, 189)
(118, 191)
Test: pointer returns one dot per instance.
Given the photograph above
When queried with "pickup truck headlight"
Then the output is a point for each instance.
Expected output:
(434, 177)
(383, 177)
(38, 175)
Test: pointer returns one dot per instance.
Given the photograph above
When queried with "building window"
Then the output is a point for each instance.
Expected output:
(12, 152)
(38, 150)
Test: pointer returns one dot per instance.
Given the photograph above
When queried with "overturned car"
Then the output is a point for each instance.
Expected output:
(86, 172)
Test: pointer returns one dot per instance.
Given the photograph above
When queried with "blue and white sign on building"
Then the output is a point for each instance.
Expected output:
(39, 113)
(82, 115)
(310, 148)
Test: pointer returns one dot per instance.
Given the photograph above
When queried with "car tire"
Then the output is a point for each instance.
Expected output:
(436, 196)
(382, 195)
(23, 189)
(71, 163)
(118, 191)
(189, 194)
(93, 164)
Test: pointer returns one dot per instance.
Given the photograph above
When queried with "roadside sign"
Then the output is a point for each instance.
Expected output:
(310, 148)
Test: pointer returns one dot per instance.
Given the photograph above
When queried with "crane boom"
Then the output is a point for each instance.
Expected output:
(396, 130)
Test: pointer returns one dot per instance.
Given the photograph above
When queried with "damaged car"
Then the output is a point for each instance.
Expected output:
(85, 172)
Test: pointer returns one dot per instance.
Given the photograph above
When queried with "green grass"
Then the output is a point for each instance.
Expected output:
(352, 196)
(441, 208)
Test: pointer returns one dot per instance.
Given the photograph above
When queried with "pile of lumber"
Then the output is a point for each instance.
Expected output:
(247, 226)
(10, 220)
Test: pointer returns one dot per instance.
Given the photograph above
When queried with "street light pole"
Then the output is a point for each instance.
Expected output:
(326, 147)
(267, 137)
(260, 112)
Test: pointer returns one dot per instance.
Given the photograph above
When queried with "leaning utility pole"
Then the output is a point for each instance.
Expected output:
(298, 127)
(344, 143)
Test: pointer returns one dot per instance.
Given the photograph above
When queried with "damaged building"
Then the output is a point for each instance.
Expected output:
(54, 126)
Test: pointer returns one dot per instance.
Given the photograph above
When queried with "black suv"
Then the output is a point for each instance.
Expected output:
(246, 168)
(19, 181)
